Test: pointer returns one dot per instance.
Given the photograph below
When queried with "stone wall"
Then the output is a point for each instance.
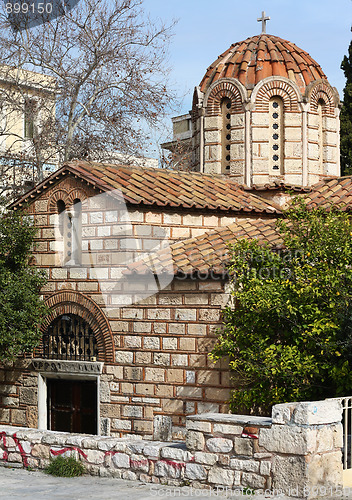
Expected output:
(297, 452)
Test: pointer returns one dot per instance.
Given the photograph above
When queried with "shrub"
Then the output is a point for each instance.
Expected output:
(65, 467)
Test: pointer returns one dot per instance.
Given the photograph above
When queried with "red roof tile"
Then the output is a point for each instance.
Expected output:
(208, 251)
(159, 187)
(335, 191)
(261, 56)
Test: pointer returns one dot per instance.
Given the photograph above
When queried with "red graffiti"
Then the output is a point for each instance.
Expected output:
(63, 450)
(139, 463)
(134, 463)
(21, 450)
(175, 465)
(248, 435)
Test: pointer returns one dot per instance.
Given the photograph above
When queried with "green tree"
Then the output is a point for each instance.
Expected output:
(21, 307)
(346, 116)
(289, 331)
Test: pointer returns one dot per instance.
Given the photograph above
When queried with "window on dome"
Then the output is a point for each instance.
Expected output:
(225, 134)
(276, 136)
(321, 133)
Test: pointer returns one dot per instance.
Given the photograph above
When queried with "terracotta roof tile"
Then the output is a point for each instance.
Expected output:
(261, 56)
(332, 191)
(153, 186)
(200, 254)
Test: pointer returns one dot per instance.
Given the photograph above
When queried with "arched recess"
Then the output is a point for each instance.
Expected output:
(322, 92)
(67, 196)
(275, 86)
(224, 89)
(71, 302)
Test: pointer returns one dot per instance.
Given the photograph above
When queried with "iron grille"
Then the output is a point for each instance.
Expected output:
(69, 337)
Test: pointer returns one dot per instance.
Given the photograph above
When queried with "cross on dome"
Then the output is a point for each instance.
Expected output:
(263, 20)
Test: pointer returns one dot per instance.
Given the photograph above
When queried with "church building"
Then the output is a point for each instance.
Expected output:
(136, 257)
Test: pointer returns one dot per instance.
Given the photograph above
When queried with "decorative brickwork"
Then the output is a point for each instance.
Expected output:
(276, 87)
(322, 91)
(71, 302)
(223, 88)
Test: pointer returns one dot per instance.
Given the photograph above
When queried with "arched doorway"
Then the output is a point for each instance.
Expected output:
(71, 403)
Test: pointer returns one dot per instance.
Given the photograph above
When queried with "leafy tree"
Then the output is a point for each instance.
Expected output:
(346, 116)
(21, 307)
(289, 332)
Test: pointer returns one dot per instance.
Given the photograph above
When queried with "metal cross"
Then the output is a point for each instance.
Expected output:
(263, 19)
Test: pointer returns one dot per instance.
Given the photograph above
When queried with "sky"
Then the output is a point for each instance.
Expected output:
(206, 28)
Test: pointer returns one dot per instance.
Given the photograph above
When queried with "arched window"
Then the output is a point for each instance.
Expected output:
(76, 222)
(70, 337)
(70, 227)
(276, 136)
(226, 134)
(321, 133)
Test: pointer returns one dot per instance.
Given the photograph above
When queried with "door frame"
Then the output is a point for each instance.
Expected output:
(43, 395)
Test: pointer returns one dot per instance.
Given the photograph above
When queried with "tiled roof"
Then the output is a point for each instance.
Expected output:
(335, 191)
(261, 56)
(162, 188)
(208, 251)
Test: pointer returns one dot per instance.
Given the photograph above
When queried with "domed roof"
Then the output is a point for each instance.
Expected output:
(261, 56)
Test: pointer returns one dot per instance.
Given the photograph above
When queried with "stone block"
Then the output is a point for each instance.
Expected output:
(166, 470)
(195, 440)
(205, 458)
(289, 473)
(244, 446)
(162, 428)
(195, 472)
(253, 480)
(325, 470)
(220, 476)
(18, 417)
(288, 439)
(139, 463)
(265, 468)
(227, 429)
(121, 425)
(219, 445)
(121, 460)
(133, 411)
(176, 452)
(245, 465)
(317, 412)
(95, 457)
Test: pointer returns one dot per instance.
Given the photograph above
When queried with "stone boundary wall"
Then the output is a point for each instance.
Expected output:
(297, 452)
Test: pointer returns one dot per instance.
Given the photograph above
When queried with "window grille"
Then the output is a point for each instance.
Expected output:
(69, 337)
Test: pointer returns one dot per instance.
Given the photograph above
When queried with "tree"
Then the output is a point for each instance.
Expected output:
(21, 307)
(105, 62)
(346, 116)
(289, 334)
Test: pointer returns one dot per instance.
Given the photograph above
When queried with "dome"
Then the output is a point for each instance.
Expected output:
(261, 56)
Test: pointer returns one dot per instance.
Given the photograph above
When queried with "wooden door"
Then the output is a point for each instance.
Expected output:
(72, 406)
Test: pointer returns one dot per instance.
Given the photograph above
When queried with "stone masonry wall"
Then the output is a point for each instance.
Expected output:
(297, 452)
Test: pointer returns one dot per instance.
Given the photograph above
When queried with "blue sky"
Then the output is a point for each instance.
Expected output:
(206, 28)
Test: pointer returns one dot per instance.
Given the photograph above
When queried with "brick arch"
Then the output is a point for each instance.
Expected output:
(71, 302)
(66, 196)
(218, 92)
(322, 91)
(273, 88)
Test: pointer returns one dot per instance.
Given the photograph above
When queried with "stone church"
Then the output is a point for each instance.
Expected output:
(136, 257)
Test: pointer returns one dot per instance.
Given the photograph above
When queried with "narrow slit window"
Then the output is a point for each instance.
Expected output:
(276, 136)
(226, 135)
